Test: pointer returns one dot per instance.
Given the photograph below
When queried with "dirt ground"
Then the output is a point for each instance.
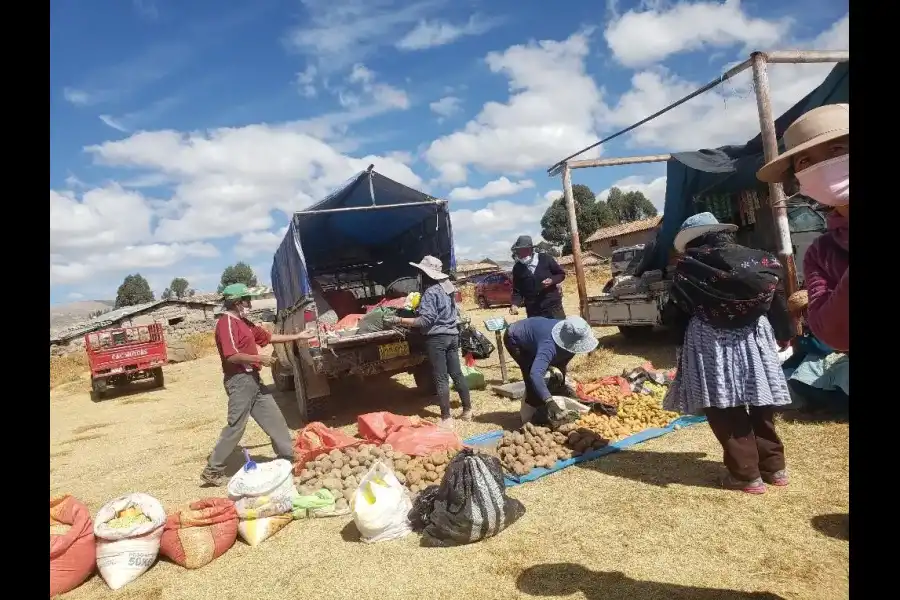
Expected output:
(649, 523)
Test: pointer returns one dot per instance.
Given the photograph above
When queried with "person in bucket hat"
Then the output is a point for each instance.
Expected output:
(732, 320)
(438, 322)
(538, 344)
(817, 155)
(238, 340)
(536, 280)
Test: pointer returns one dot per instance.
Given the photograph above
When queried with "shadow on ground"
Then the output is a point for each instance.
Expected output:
(835, 526)
(564, 579)
(504, 420)
(656, 346)
(660, 468)
(350, 398)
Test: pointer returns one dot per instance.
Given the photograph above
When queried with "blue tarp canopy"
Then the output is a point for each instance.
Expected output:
(381, 241)
(731, 169)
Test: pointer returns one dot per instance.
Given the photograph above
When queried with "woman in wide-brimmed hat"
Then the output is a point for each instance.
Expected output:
(728, 368)
(536, 279)
(438, 323)
(817, 154)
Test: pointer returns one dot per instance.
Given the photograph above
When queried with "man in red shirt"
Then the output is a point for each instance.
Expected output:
(238, 341)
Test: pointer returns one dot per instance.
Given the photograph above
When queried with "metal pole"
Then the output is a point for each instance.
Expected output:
(501, 354)
(376, 207)
(777, 199)
(576, 240)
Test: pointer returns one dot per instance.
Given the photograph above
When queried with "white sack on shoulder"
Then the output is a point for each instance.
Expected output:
(381, 506)
(125, 554)
(265, 479)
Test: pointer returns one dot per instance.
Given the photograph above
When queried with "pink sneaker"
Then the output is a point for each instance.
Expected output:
(778, 478)
(755, 486)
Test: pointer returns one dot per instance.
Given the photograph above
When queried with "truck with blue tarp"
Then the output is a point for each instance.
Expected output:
(722, 181)
(339, 257)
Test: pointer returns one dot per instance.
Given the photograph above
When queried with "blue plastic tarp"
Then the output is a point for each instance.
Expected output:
(731, 169)
(492, 437)
(385, 240)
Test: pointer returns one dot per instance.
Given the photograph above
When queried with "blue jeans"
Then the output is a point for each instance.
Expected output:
(443, 354)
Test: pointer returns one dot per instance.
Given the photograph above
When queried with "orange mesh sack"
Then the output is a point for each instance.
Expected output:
(73, 550)
(422, 439)
(376, 426)
(194, 538)
(317, 438)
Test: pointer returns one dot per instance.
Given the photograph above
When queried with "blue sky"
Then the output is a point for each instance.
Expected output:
(184, 133)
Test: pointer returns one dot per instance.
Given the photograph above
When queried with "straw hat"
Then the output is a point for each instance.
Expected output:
(818, 126)
(697, 225)
(431, 266)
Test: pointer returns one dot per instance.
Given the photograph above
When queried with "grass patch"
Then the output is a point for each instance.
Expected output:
(68, 368)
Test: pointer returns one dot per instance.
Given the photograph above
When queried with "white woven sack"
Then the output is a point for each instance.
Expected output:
(264, 480)
(125, 554)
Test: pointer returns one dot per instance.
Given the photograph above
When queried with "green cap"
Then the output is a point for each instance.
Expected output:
(235, 291)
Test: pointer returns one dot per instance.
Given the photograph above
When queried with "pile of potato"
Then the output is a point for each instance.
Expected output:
(636, 412)
(583, 438)
(340, 471)
(422, 471)
(521, 451)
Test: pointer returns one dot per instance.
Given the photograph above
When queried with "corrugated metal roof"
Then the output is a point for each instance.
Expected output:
(588, 259)
(625, 229)
(114, 316)
(468, 268)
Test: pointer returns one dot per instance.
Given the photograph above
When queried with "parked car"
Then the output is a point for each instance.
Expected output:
(494, 290)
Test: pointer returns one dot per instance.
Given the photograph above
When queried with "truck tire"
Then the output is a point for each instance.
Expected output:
(284, 381)
(158, 378)
(424, 381)
(634, 332)
(98, 390)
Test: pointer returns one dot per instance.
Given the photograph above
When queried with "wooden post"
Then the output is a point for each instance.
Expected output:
(777, 200)
(576, 240)
(501, 354)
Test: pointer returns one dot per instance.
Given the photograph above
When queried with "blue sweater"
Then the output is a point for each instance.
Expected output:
(534, 337)
(437, 312)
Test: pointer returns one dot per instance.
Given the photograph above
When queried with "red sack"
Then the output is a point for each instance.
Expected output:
(422, 439)
(376, 426)
(348, 322)
(388, 302)
(317, 438)
(195, 537)
(73, 554)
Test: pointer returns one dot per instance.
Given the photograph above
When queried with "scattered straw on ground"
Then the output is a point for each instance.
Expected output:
(644, 524)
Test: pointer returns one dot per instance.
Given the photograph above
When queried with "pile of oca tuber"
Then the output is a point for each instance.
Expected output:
(636, 412)
(340, 471)
(521, 451)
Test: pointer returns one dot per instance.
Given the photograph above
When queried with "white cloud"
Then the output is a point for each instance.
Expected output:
(552, 195)
(551, 110)
(492, 189)
(654, 189)
(490, 231)
(724, 115)
(65, 270)
(338, 33)
(430, 34)
(254, 243)
(644, 37)
(75, 296)
(103, 218)
(446, 106)
(306, 82)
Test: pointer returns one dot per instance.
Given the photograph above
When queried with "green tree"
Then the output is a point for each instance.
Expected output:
(177, 289)
(134, 290)
(237, 273)
(629, 206)
(590, 213)
(547, 248)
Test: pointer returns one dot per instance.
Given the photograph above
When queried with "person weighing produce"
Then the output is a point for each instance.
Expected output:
(538, 344)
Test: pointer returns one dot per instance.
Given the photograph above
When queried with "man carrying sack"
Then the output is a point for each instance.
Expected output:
(238, 340)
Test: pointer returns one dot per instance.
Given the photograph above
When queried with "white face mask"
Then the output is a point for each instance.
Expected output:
(524, 259)
(827, 182)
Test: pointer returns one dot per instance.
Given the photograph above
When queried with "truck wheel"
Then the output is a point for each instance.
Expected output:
(158, 378)
(424, 381)
(284, 380)
(98, 390)
(634, 332)
(482, 302)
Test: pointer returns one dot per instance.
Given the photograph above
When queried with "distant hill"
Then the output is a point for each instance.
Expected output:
(63, 315)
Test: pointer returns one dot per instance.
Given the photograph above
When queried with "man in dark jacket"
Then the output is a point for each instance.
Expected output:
(536, 279)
